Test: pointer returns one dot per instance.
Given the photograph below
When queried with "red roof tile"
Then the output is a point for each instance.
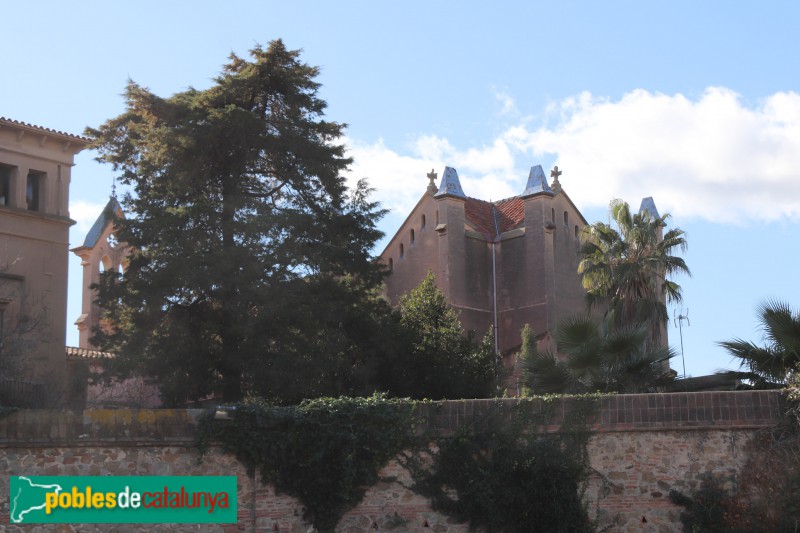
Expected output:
(46, 130)
(481, 214)
(510, 213)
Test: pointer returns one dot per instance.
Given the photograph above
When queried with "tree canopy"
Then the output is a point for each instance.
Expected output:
(437, 360)
(628, 269)
(770, 365)
(594, 359)
(251, 270)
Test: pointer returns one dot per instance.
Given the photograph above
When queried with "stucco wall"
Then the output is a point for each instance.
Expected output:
(643, 445)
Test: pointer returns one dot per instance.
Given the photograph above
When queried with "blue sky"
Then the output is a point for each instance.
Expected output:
(694, 103)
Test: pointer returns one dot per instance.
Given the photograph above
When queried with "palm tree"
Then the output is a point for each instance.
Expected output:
(595, 359)
(769, 366)
(628, 269)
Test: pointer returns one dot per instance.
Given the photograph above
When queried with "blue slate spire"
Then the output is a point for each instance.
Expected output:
(450, 185)
(650, 206)
(537, 183)
(105, 218)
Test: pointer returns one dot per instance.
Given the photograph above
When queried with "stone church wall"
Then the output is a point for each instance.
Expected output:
(643, 445)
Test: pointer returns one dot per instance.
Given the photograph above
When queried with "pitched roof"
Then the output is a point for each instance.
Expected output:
(493, 218)
(102, 221)
(510, 213)
(25, 125)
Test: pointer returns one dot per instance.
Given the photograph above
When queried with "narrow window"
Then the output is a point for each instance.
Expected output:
(566, 218)
(402, 251)
(553, 214)
(5, 186)
(391, 264)
(576, 231)
(412, 236)
(437, 217)
(32, 191)
(422, 226)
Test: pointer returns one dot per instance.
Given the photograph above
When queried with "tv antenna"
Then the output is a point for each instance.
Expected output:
(679, 317)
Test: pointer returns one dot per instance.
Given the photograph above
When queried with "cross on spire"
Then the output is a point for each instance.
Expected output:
(555, 173)
(431, 185)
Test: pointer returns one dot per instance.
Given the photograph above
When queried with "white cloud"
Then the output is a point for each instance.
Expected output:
(712, 157)
(400, 180)
(507, 104)
(84, 214)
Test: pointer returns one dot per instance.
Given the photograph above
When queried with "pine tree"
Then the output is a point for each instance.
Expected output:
(251, 257)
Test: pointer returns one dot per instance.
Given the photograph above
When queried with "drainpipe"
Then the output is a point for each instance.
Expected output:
(494, 298)
(494, 280)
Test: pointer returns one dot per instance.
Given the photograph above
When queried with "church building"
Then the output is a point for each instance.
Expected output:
(500, 264)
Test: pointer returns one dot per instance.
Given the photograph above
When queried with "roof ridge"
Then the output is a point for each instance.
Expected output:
(494, 202)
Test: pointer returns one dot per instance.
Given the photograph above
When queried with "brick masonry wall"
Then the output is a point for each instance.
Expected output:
(643, 446)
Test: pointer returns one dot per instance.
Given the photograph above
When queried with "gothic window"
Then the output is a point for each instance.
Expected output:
(422, 225)
(576, 231)
(402, 251)
(566, 218)
(105, 264)
(412, 236)
(553, 215)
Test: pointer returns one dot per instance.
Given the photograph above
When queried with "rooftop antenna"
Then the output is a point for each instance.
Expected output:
(679, 317)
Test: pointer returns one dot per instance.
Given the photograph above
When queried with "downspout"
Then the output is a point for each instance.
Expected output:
(494, 280)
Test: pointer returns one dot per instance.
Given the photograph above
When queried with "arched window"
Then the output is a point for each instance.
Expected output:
(553, 214)
(422, 224)
(402, 251)
(105, 264)
(391, 264)
(566, 218)
(412, 236)
(576, 231)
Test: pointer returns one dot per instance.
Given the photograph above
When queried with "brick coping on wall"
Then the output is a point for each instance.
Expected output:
(628, 412)
(634, 412)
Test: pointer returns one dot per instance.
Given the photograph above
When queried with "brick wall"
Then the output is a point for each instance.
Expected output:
(643, 446)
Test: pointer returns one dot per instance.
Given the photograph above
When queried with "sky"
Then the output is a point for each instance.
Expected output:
(696, 104)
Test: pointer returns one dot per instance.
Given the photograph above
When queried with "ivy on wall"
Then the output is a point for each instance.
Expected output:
(324, 452)
(498, 472)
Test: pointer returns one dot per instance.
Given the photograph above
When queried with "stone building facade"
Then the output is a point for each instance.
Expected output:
(35, 172)
(500, 264)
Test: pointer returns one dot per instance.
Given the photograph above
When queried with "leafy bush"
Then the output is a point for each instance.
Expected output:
(499, 476)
